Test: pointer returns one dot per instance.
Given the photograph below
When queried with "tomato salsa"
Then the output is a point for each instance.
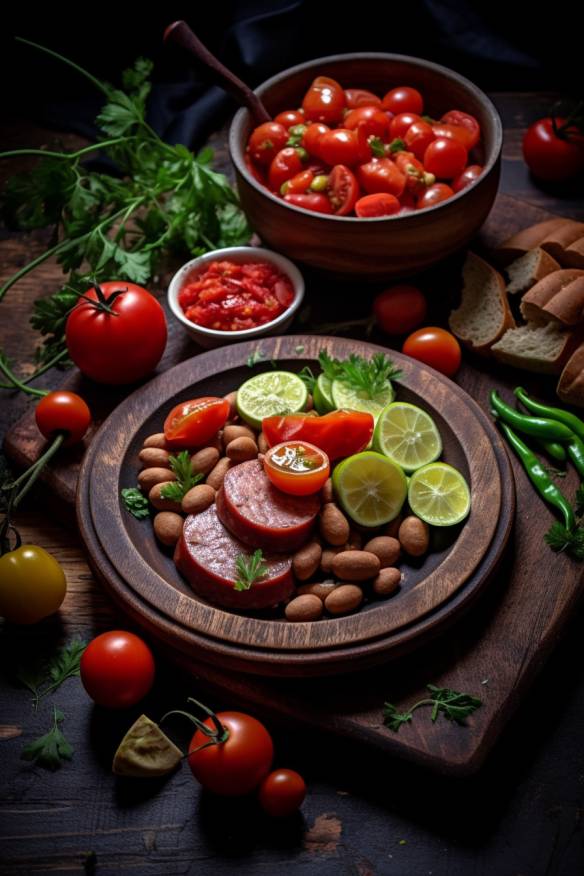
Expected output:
(229, 297)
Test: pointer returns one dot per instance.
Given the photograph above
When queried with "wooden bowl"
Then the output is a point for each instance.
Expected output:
(388, 247)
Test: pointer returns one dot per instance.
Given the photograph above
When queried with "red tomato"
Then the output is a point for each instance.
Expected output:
(289, 118)
(356, 97)
(299, 183)
(418, 137)
(434, 195)
(297, 467)
(375, 122)
(464, 120)
(339, 434)
(340, 146)
(286, 164)
(455, 132)
(381, 175)
(282, 792)
(400, 124)
(399, 309)
(379, 204)
(254, 169)
(403, 100)
(118, 347)
(552, 157)
(413, 169)
(445, 158)
(117, 669)
(324, 101)
(63, 411)
(237, 765)
(316, 202)
(311, 137)
(343, 190)
(435, 347)
(266, 141)
(468, 176)
(193, 423)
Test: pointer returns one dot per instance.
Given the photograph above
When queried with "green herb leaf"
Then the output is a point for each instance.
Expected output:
(308, 378)
(186, 479)
(135, 502)
(249, 569)
(52, 672)
(455, 706)
(561, 539)
(367, 375)
(52, 749)
(66, 662)
(255, 358)
(394, 719)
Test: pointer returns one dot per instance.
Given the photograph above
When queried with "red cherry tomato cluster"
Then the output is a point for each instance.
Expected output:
(348, 152)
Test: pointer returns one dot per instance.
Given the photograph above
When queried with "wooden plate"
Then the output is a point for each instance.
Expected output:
(143, 578)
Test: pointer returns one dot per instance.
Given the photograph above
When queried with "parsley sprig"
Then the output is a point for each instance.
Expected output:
(136, 502)
(186, 479)
(560, 539)
(249, 569)
(43, 678)
(455, 706)
(51, 749)
(367, 375)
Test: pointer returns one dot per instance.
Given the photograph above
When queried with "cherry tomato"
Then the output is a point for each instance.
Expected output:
(298, 184)
(464, 120)
(340, 146)
(286, 164)
(399, 309)
(117, 669)
(338, 434)
(403, 100)
(297, 467)
(119, 347)
(311, 137)
(550, 157)
(418, 137)
(324, 101)
(63, 411)
(400, 124)
(193, 423)
(375, 122)
(289, 118)
(413, 169)
(468, 176)
(343, 190)
(435, 347)
(238, 765)
(356, 97)
(445, 158)
(434, 195)
(381, 175)
(379, 204)
(32, 584)
(316, 202)
(266, 141)
(282, 792)
(455, 132)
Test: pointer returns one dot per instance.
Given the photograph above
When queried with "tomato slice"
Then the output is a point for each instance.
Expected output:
(343, 190)
(297, 467)
(339, 434)
(193, 423)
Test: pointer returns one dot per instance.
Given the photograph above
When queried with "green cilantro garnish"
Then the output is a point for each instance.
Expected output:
(52, 749)
(368, 375)
(135, 502)
(249, 569)
(455, 706)
(186, 479)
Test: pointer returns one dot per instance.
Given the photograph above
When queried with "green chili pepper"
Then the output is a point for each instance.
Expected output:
(540, 478)
(553, 413)
(553, 449)
(576, 453)
(538, 427)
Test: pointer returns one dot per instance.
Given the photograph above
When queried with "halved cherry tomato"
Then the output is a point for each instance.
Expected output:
(324, 101)
(468, 176)
(311, 137)
(399, 309)
(316, 202)
(381, 175)
(193, 423)
(343, 190)
(400, 124)
(464, 120)
(281, 793)
(340, 146)
(266, 141)
(289, 118)
(435, 347)
(434, 195)
(445, 158)
(403, 100)
(357, 97)
(374, 121)
(414, 171)
(63, 411)
(379, 204)
(286, 164)
(297, 467)
(418, 137)
(298, 184)
(340, 433)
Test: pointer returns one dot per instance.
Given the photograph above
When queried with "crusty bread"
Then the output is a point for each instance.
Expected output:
(562, 237)
(520, 243)
(571, 383)
(558, 297)
(528, 269)
(573, 255)
(484, 314)
(544, 349)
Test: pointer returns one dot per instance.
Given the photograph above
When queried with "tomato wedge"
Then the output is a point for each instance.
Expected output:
(297, 467)
(193, 423)
(339, 434)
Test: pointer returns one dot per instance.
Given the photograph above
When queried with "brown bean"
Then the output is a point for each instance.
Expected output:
(334, 526)
(355, 541)
(204, 460)
(306, 561)
(157, 440)
(198, 499)
(241, 449)
(355, 565)
(150, 476)
(217, 441)
(414, 536)
(318, 588)
(326, 492)
(216, 475)
(263, 443)
(230, 433)
(304, 608)
(231, 398)
(159, 502)
(154, 457)
(387, 582)
(168, 527)
(386, 548)
(343, 599)
(392, 528)
(328, 555)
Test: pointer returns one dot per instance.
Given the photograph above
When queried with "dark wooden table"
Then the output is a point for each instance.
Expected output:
(521, 815)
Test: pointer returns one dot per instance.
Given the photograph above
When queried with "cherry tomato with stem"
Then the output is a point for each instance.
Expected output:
(356, 97)
(63, 412)
(433, 195)
(553, 151)
(286, 164)
(400, 309)
(435, 347)
(297, 467)
(193, 423)
(342, 190)
(289, 118)
(445, 158)
(418, 137)
(266, 141)
(401, 123)
(459, 119)
(468, 176)
(375, 122)
(316, 202)
(282, 793)
(324, 101)
(381, 175)
(117, 669)
(379, 204)
(403, 100)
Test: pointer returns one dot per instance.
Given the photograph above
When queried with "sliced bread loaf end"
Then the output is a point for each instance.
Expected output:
(544, 349)
(528, 269)
(484, 314)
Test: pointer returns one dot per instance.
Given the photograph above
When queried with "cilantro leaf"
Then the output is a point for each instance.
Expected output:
(454, 705)
(186, 479)
(249, 570)
(52, 749)
(135, 502)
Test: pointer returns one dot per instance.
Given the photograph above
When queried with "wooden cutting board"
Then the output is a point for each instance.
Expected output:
(493, 652)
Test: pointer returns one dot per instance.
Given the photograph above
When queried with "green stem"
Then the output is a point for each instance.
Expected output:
(62, 355)
(31, 265)
(72, 64)
(46, 153)
(35, 470)
(18, 384)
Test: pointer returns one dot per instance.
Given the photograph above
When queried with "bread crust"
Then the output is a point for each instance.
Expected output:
(557, 297)
(570, 387)
(507, 320)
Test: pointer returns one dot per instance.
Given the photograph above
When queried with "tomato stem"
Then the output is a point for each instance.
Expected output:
(217, 734)
(31, 474)
(16, 383)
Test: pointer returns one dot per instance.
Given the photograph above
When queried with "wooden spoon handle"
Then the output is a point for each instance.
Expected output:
(180, 33)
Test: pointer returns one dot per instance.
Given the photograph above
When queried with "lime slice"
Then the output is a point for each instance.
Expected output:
(322, 395)
(407, 435)
(370, 488)
(347, 398)
(265, 395)
(439, 494)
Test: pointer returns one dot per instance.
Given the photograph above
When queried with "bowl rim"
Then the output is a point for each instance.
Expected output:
(258, 254)
(237, 151)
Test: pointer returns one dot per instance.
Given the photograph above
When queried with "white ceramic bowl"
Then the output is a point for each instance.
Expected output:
(208, 337)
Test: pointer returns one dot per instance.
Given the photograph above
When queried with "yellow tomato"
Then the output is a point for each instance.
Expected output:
(32, 585)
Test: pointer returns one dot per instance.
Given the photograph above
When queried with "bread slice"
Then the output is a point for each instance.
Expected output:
(561, 238)
(573, 255)
(484, 313)
(571, 383)
(525, 271)
(544, 349)
(520, 243)
(558, 297)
